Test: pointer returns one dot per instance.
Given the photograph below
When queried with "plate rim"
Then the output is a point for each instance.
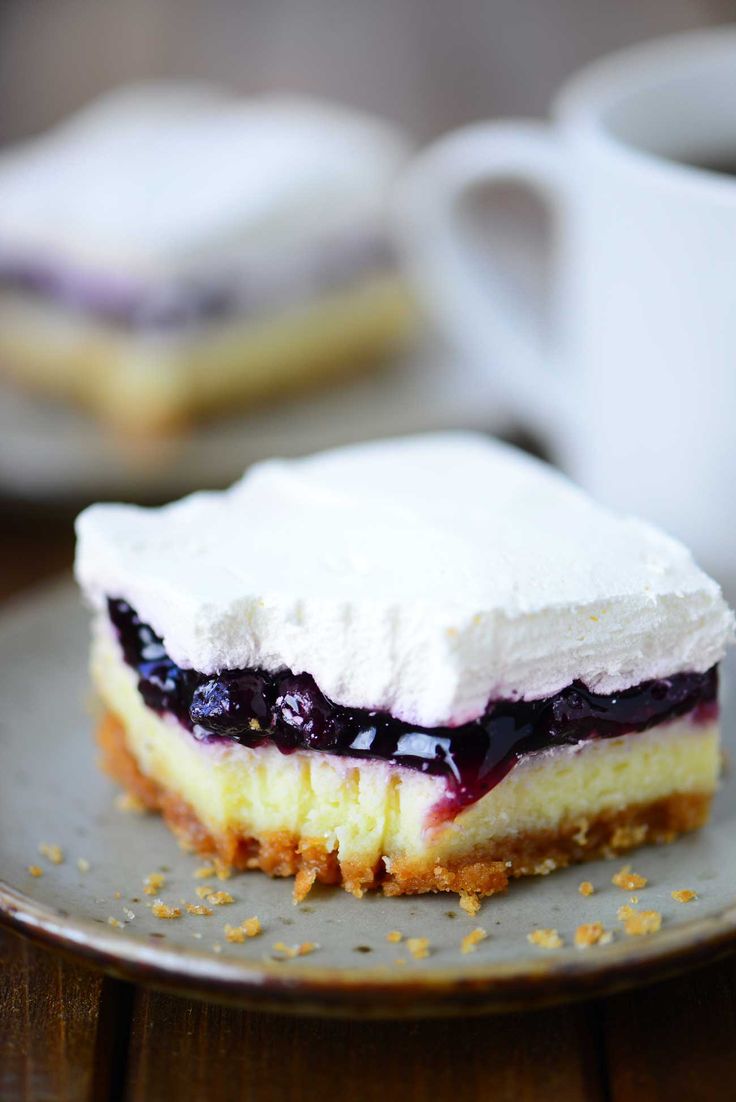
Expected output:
(368, 991)
(380, 991)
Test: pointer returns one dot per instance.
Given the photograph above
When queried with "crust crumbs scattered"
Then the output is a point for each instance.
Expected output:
(586, 888)
(204, 872)
(470, 903)
(684, 895)
(219, 899)
(51, 852)
(633, 899)
(83, 864)
(204, 890)
(115, 922)
(234, 933)
(418, 947)
(471, 940)
(130, 915)
(545, 939)
(394, 936)
(153, 883)
(162, 910)
(199, 909)
(627, 880)
(288, 952)
(35, 870)
(592, 933)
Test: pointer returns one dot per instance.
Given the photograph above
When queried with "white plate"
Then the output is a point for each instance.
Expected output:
(49, 451)
(51, 791)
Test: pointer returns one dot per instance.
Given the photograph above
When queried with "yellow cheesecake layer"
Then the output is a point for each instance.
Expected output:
(147, 382)
(373, 820)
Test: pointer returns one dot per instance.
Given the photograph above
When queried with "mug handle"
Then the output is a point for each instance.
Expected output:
(473, 311)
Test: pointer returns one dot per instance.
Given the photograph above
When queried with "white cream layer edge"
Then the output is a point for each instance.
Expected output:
(423, 577)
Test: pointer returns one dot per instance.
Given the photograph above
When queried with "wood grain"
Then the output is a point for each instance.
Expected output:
(208, 1052)
(674, 1041)
(62, 1027)
(34, 545)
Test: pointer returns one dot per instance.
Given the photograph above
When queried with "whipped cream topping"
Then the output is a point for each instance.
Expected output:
(422, 576)
(155, 177)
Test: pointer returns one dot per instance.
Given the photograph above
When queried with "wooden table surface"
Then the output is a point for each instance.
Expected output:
(69, 1033)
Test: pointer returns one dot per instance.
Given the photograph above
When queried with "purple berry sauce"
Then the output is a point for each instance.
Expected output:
(185, 304)
(253, 707)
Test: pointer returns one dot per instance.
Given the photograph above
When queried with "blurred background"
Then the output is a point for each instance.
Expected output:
(428, 67)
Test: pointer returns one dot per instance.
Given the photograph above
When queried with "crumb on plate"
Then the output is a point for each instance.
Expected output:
(199, 909)
(638, 923)
(627, 880)
(592, 933)
(163, 910)
(51, 852)
(126, 801)
(288, 952)
(470, 903)
(545, 939)
(418, 947)
(153, 883)
(219, 899)
(470, 942)
(250, 927)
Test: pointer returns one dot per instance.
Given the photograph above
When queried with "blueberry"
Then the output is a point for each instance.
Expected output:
(301, 710)
(233, 705)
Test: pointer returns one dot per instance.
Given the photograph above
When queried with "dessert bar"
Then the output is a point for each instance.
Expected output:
(421, 665)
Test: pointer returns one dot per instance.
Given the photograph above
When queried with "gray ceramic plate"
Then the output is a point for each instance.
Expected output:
(50, 791)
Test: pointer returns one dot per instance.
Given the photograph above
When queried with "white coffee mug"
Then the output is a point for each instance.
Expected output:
(634, 382)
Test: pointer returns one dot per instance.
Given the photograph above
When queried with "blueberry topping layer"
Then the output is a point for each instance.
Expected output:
(252, 707)
(240, 291)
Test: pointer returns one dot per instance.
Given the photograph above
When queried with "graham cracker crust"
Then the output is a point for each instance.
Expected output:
(481, 872)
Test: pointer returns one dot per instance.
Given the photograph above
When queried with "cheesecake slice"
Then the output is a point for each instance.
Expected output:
(428, 664)
(172, 251)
